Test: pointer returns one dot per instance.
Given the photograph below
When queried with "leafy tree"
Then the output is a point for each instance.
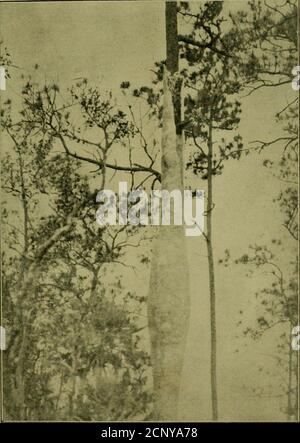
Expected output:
(278, 303)
(270, 36)
(211, 109)
(112, 129)
(207, 66)
(54, 299)
(279, 300)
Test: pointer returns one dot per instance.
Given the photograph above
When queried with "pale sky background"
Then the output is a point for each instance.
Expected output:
(109, 42)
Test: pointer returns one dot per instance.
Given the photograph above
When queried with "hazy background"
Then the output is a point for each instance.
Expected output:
(109, 42)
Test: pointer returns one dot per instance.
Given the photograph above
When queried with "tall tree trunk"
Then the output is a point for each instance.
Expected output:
(24, 321)
(20, 379)
(168, 300)
(211, 271)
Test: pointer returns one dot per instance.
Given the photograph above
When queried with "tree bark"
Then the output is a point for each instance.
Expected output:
(211, 271)
(23, 289)
(168, 299)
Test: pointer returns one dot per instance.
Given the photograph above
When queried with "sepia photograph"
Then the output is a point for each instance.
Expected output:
(149, 212)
